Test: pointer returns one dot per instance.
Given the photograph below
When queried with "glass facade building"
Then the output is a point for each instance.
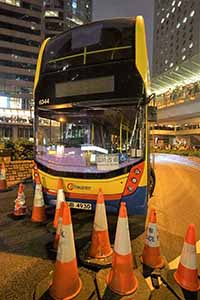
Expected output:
(176, 33)
(23, 26)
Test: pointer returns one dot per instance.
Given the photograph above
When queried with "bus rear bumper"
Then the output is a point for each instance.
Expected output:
(136, 203)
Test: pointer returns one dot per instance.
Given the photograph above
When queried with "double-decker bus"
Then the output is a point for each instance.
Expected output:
(91, 94)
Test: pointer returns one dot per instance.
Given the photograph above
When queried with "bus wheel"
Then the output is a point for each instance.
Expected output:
(152, 182)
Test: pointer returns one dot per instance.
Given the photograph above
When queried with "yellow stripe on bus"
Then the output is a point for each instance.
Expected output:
(39, 62)
(88, 53)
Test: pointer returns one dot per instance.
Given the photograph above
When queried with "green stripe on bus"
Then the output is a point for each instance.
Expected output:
(88, 53)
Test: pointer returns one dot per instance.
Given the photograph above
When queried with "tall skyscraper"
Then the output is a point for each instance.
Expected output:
(176, 42)
(176, 33)
(23, 26)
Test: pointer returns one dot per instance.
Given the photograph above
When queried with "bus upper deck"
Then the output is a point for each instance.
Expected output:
(91, 89)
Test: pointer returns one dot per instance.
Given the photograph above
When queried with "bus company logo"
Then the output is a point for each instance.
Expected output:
(72, 186)
(44, 101)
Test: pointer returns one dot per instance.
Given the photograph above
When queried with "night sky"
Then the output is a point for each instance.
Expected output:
(103, 9)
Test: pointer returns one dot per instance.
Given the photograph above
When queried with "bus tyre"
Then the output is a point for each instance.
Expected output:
(152, 182)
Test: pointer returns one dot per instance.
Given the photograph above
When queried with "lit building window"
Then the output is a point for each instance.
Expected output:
(183, 50)
(192, 13)
(183, 57)
(162, 21)
(11, 2)
(74, 4)
(87, 6)
(185, 20)
(51, 13)
(173, 3)
(166, 61)
(191, 45)
(3, 102)
(171, 65)
(177, 68)
(173, 9)
(179, 4)
(178, 25)
(167, 16)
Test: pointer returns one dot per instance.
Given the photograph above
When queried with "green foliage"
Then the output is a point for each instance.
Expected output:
(20, 150)
(178, 152)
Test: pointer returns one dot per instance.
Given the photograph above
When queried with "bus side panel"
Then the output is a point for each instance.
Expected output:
(136, 203)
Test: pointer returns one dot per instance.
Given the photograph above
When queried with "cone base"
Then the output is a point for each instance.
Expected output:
(100, 245)
(94, 263)
(153, 261)
(105, 293)
(167, 277)
(127, 293)
(184, 285)
(38, 214)
(68, 297)
(16, 217)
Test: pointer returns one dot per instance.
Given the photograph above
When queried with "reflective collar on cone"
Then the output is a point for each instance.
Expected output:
(152, 239)
(122, 237)
(38, 197)
(100, 220)
(188, 256)
(66, 247)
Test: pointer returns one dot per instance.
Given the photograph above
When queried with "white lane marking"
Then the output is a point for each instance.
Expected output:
(173, 264)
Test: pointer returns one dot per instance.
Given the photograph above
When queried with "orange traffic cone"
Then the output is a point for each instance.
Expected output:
(38, 212)
(3, 182)
(60, 198)
(59, 226)
(151, 254)
(187, 273)
(20, 203)
(100, 246)
(66, 281)
(121, 278)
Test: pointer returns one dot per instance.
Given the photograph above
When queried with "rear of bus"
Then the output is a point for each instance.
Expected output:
(91, 90)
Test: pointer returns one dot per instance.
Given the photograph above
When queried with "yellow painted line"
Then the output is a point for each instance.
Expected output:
(148, 281)
(172, 265)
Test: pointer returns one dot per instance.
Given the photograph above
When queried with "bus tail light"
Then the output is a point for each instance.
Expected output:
(133, 179)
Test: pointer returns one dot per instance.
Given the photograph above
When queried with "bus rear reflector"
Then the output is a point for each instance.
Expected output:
(133, 179)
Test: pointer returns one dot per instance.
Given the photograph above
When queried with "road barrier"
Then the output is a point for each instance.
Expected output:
(151, 254)
(187, 274)
(66, 263)
(121, 278)
(20, 209)
(100, 246)
(99, 252)
(38, 211)
(60, 199)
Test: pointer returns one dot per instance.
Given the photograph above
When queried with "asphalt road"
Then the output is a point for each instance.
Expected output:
(23, 257)
(176, 197)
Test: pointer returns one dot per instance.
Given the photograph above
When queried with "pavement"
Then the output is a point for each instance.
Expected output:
(25, 267)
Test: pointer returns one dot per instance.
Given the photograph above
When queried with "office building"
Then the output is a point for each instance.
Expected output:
(23, 26)
(176, 70)
(176, 33)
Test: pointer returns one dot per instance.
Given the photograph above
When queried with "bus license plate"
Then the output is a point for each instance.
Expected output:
(79, 205)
